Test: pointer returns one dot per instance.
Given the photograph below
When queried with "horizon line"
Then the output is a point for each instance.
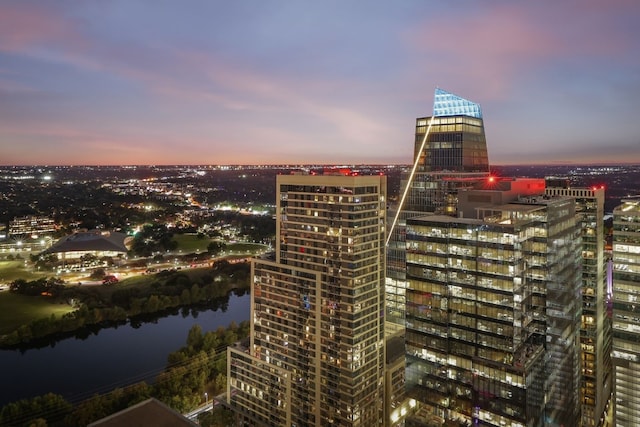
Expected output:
(304, 164)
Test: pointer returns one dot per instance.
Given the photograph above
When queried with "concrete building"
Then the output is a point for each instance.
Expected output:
(317, 351)
(626, 312)
(492, 313)
(596, 384)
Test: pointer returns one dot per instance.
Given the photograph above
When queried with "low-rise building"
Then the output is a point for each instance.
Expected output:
(97, 242)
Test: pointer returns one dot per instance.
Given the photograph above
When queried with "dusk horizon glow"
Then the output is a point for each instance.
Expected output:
(249, 83)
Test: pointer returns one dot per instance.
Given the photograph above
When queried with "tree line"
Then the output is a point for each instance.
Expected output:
(96, 308)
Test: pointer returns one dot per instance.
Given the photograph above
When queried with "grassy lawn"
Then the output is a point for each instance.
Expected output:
(16, 310)
(12, 270)
(190, 243)
(243, 248)
(141, 282)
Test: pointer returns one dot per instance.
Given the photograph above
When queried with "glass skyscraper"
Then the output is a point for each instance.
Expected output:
(626, 312)
(596, 383)
(492, 313)
(484, 281)
(450, 153)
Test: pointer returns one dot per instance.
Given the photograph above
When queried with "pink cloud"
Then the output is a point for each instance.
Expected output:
(186, 76)
(43, 32)
(23, 27)
(11, 86)
(57, 143)
(490, 47)
(500, 42)
(239, 88)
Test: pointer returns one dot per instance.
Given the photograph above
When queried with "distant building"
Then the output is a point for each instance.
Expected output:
(98, 242)
(26, 234)
(18, 246)
(317, 351)
(626, 312)
(31, 226)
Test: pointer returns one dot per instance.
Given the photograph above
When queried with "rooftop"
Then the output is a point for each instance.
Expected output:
(91, 241)
(151, 413)
(447, 104)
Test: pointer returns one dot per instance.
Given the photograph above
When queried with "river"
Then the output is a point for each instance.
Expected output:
(114, 357)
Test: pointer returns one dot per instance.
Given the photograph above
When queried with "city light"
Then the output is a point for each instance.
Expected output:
(406, 190)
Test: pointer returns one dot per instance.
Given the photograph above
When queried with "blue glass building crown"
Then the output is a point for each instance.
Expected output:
(448, 104)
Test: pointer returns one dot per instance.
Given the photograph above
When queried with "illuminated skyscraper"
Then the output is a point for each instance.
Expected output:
(450, 153)
(317, 355)
(626, 312)
(596, 385)
(492, 311)
(455, 141)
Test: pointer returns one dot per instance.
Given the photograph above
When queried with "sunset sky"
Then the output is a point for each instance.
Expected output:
(265, 82)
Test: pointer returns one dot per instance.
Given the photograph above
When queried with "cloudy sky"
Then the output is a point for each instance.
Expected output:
(332, 81)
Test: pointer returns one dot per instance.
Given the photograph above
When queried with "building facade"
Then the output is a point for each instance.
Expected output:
(626, 312)
(450, 154)
(596, 384)
(317, 352)
(492, 314)
(31, 225)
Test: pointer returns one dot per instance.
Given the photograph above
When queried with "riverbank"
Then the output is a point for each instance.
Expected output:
(110, 305)
(132, 360)
(17, 310)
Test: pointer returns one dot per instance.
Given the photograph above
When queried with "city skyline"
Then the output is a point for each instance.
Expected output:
(139, 83)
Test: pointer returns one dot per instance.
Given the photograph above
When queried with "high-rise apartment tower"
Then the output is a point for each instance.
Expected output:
(316, 355)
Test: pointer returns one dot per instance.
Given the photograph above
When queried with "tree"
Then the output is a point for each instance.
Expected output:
(215, 247)
(194, 338)
(88, 258)
(38, 411)
(195, 293)
(210, 342)
(177, 358)
(98, 274)
(221, 382)
(152, 305)
(185, 297)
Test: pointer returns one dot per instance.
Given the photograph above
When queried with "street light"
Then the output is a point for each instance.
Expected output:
(206, 398)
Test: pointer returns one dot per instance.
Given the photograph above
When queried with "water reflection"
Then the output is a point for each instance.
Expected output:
(96, 360)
